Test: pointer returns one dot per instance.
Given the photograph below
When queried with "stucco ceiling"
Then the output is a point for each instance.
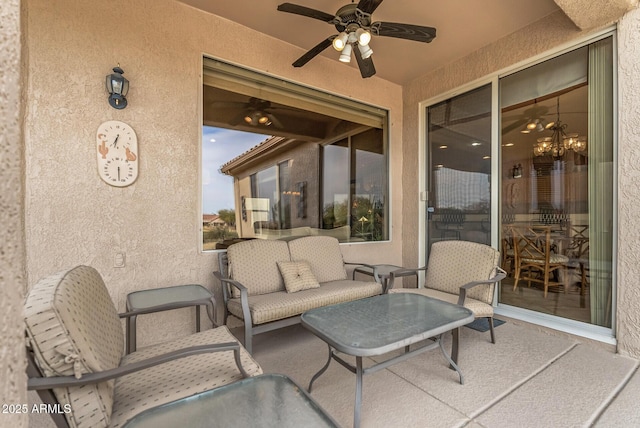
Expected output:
(463, 26)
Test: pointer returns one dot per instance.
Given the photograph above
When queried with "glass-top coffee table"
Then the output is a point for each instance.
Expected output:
(268, 401)
(381, 324)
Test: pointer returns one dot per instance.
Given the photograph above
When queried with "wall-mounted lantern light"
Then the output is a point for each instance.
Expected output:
(118, 87)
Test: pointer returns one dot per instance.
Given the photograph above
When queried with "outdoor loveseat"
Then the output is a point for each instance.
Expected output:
(268, 284)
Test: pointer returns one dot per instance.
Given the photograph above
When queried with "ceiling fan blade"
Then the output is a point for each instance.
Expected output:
(515, 125)
(365, 65)
(238, 118)
(305, 11)
(275, 121)
(313, 52)
(228, 104)
(417, 33)
(368, 6)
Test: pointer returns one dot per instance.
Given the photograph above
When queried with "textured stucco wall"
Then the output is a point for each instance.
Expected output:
(13, 388)
(73, 217)
(628, 312)
(589, 14)
(538, 38)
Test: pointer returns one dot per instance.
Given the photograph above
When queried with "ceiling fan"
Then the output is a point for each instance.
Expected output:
(255, 112)
(355, 28)
(532, 119)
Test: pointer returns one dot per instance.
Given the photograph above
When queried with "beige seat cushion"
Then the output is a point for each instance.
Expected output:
(479, 309)
(455, 263)
(255, 265)
(74, 329)
(179, 378)
(75, 304)
(280, 305)
(323, 255)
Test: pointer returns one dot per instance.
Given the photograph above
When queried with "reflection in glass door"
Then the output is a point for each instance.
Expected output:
(557, 186)
(459, 168)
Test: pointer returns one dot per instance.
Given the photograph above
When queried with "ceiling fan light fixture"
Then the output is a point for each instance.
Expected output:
(365, 51)
(345, 55)
(364, 37)
(263, 120)
(340, 42)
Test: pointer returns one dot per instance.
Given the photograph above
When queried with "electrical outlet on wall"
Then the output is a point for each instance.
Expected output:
(119, 259)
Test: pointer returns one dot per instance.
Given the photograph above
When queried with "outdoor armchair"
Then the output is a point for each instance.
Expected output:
(460, 272)
(75, 344)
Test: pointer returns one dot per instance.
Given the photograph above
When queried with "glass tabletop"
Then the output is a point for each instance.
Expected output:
(380, 324)
(168, 295)
(263, 401)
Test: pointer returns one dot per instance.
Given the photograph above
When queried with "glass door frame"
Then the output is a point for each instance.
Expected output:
(423, 167)
(590, 331)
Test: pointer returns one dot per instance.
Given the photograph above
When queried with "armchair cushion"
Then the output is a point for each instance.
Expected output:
(479, 309)
(323, 255)
(455, 263)
(178, 378)
(297, 276)
(69, 340)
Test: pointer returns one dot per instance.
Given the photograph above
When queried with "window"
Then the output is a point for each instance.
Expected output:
(354, 177)
(317, 164)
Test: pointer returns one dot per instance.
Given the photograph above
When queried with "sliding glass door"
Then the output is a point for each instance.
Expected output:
(557, 185)
(459, 168)
(554, 172)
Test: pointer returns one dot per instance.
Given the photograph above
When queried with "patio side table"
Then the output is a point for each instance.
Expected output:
(384, 273)
(164, 299)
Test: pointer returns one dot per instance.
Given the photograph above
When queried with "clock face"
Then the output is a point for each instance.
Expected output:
(117, 153)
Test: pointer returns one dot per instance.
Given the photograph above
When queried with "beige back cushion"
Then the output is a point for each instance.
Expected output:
(323, 255)
(455, 263)
(255, 265)
(73, 327)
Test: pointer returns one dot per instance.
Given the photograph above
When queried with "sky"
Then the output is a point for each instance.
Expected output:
(218, 147)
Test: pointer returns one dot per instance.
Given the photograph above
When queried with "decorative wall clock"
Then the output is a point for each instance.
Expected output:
(117, 152)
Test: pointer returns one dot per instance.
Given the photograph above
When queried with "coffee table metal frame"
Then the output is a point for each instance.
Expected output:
(381, 324)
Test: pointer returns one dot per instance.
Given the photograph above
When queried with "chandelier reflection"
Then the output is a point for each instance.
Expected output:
(560, 141)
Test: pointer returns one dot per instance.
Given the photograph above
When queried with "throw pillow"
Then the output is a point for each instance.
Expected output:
(297, 276)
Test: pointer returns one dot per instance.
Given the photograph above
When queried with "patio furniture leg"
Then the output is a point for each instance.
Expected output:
(493, 336)
(322, 370)
(454, 346)
(248, 337)
(131, 329)
(452, 364)
(356, 410)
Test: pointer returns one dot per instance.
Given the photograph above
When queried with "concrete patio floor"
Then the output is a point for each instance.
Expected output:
(529, 378)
